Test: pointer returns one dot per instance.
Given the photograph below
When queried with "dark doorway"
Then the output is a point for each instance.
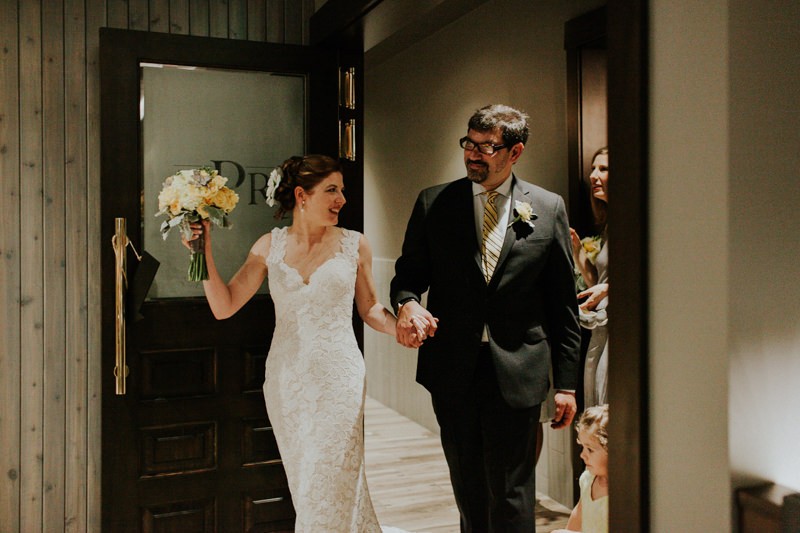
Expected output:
(189, 447)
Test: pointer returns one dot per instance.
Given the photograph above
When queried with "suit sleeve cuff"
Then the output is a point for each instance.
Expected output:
(404, 301)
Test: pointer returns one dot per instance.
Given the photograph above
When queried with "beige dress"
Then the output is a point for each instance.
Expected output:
(595, 373)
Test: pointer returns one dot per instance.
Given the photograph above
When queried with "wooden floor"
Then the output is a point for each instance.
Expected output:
(409, 482)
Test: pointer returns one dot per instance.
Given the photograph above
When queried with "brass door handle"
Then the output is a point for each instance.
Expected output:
(347, 139)
(347, 88)
(120, 242)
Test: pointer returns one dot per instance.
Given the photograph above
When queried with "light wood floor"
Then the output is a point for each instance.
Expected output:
(409, 482)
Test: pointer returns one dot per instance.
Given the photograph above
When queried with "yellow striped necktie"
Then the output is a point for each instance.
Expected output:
(492, 235)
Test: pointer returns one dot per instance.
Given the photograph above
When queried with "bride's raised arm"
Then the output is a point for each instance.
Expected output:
(225, 299)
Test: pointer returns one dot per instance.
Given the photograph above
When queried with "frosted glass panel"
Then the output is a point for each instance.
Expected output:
(242, 123)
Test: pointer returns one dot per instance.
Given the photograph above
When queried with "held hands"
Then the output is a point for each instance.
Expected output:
(414, 324)
(566, 407)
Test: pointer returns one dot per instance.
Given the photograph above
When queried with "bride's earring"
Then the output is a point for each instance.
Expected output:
(303, 206)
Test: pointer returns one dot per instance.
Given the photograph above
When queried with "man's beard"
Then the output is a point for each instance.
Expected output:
(478, 175)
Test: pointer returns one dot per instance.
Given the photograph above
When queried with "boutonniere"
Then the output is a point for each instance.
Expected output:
(523, 212)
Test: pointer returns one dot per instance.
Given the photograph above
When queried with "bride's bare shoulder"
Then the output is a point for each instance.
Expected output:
(262, 246)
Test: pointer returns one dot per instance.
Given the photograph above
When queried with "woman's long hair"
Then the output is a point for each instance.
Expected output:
(599, 207)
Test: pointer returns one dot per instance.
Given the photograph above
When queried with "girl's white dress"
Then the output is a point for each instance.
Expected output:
(594, 513)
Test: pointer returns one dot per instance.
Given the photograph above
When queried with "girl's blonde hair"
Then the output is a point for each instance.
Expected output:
(594, 420)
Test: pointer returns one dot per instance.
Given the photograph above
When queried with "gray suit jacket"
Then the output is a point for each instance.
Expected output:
(529, 305)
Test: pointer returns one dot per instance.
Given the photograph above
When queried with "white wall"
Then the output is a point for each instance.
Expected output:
(418, 103)
(764, 213)
(725, 359)
(417, 106)
(688, 271)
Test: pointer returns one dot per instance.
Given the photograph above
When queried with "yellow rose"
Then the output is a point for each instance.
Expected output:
(226, 199)
(592, 247)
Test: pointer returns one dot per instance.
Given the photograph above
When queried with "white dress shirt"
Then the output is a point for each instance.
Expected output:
(503, 204)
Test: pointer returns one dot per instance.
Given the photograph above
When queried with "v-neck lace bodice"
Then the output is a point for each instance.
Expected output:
(324, 303)
(334, 256)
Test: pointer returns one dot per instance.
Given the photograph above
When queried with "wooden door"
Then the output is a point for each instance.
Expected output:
(587, 116)
(189, 446)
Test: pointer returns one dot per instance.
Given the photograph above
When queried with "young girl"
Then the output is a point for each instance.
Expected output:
(591, 513)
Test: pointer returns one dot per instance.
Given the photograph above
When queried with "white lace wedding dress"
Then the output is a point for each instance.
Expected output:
(314, 390)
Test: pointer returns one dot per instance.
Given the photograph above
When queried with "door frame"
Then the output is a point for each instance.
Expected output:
(581, 34)
(121, 52)
(628, 388)
(621, 27)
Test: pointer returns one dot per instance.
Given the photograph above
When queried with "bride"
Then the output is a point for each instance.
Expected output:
(314, 383)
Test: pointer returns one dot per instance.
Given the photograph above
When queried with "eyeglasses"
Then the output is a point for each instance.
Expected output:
(484, 148)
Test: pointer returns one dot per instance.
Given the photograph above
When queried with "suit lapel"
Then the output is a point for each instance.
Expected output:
(472, 236)
(463, 214)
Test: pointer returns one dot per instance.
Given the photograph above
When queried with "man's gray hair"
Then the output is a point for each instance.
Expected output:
(513, 123)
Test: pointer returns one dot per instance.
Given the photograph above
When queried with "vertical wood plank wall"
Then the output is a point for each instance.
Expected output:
(49, 241)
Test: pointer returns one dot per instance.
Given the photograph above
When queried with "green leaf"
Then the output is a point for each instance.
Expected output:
(216, 215)
(168, 224)
(192, 216)
(165, 227)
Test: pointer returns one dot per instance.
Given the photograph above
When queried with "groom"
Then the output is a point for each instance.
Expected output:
(493, 252)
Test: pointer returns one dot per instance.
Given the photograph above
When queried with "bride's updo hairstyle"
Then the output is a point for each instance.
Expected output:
(306, 172)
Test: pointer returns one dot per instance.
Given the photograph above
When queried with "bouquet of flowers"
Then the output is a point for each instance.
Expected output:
(591, 246)
(190, 196)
